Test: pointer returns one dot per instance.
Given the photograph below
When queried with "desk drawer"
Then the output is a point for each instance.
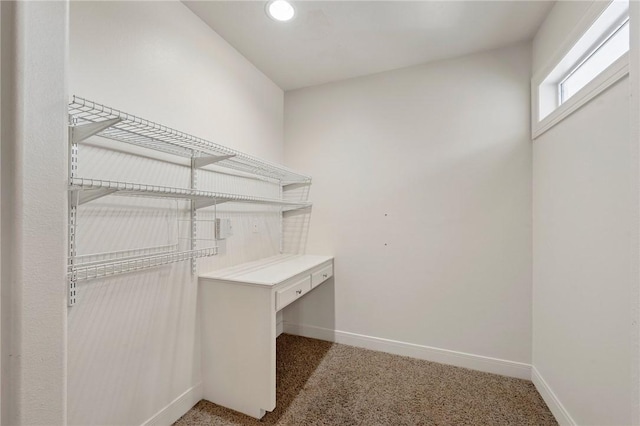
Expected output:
(321, 275)
(292, 292)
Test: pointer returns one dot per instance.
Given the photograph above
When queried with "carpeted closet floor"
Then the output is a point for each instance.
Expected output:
(322, 383)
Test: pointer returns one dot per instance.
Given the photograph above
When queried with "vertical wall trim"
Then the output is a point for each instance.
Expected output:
(634, 80)
(1, 100)
(555, 405)
(7, 90)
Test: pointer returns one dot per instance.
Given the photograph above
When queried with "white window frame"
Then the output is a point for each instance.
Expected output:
(615, 29)
(543, 90)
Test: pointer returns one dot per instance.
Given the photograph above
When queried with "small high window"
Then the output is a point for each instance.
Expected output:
(615, 45)
(596, 59)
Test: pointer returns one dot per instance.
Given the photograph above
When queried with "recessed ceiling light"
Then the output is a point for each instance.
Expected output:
(280, 10)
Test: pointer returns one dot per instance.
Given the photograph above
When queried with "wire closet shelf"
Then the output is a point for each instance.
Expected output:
(93, 270)
(87, 118)
(138, 131)
(91, 189)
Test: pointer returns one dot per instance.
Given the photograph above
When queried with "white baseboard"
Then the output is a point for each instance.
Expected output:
(444, 356)
(561, 414)
(279, 328)
(176, 408)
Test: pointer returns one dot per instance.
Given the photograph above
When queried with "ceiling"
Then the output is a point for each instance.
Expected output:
(335, 40)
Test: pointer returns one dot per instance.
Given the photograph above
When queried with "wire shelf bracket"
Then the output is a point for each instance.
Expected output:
(200, 204)
(84, 131)
(294, 212)
(293, 186)
(200, 162)
(79, 197)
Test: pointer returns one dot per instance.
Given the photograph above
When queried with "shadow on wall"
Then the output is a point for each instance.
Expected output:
(295, 231)
(295, 223)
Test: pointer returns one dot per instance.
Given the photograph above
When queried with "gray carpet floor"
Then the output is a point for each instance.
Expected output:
(331, 384)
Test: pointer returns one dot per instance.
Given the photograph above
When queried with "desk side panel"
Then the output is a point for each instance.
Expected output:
(238, 342)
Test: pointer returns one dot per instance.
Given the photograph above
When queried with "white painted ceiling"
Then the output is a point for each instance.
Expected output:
(335, 40)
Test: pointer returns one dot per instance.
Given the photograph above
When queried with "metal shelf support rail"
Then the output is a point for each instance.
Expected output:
(87, 118)
(194, 212)
(72, 277)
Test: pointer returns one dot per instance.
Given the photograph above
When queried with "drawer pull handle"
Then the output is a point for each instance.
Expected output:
(298, 291)
(324, 275)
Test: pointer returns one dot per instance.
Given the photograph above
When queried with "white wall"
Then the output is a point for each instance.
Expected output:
(162, 61)
(557, 25)
(422, 191)
(584, 252)
(134, 340)
(33, 214)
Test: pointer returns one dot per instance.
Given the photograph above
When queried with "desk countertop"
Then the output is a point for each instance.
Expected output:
(269, 271)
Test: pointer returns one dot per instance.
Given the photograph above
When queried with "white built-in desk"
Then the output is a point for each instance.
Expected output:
(238, 307)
